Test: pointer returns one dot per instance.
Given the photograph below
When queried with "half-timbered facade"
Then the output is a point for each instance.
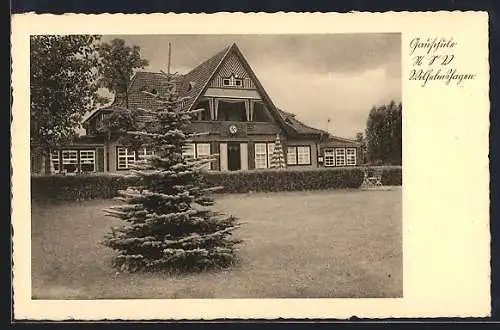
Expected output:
(240, 118)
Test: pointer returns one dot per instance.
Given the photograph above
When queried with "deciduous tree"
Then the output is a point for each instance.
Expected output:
(118, 64)
(384, 134)
(63, 87)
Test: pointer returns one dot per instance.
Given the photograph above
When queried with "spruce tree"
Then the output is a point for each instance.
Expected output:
(169, 221)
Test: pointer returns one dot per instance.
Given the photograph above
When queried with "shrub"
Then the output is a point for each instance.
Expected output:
(84, 187)
(80, 187)
(392, 176)
(286, 180)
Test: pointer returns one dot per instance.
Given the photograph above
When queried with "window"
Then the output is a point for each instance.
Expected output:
(329, 157)
(298, 155)
(190, 86)
(203, 151)
(260, 155)
(340, 156)
(144, 153)
(351, 156)
(197, 150)
(54, 158)
(127, 158)
(232, 82)
(87, 160)
(188, 151)
(70, 161)
(291, 156)
(304, 155)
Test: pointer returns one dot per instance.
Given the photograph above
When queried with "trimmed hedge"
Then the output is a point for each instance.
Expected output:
(78, 187)
(286, 180)
(101, 186)
(392, 177)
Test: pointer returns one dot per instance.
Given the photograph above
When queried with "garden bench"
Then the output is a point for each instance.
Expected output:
(372, 177)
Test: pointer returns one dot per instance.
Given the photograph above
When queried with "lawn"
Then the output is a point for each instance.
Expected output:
(326, 244)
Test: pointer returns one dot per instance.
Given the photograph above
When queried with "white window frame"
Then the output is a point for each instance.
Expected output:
(73, 160)
(231, 81)
(298, 152)
(204, 150)
(87, 160)
(56, 160)
(340, 157)
(189, 151)
(289, 159)
(128, 157)
(198, 150)
(300, 155)
(261, 157)
(329, 157)
(351, 156)
(144, 153)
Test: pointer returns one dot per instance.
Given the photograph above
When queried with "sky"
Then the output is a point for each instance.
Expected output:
(330, 81)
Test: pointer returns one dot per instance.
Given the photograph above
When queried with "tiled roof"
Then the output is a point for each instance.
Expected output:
(192, 84)
(153, 82)
(195, 80)
(297, 125)
(332, 140)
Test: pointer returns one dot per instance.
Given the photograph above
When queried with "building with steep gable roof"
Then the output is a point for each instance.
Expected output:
(240, 118)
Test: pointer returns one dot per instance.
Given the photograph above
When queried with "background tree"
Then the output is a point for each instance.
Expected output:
(170, 225)
(384, 134)
(63, 86)
(118, 64)
(360, 137)
(118, 123)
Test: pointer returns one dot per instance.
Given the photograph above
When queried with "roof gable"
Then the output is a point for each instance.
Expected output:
(193, 84)
(231, 66)
(197, 81)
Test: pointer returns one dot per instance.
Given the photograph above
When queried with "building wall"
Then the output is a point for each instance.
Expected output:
(37, 159)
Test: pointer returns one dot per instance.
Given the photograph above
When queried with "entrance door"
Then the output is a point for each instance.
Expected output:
(233, 157)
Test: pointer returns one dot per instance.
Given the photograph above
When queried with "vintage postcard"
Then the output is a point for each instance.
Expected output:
(244, 166)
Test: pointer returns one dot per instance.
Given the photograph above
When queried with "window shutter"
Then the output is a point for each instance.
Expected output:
(251, 156)
(244, 156)
(100, 159)
(223, 157)
(215, 150)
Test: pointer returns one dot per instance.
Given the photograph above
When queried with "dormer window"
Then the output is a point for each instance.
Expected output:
(191, 86)
(232, 81)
